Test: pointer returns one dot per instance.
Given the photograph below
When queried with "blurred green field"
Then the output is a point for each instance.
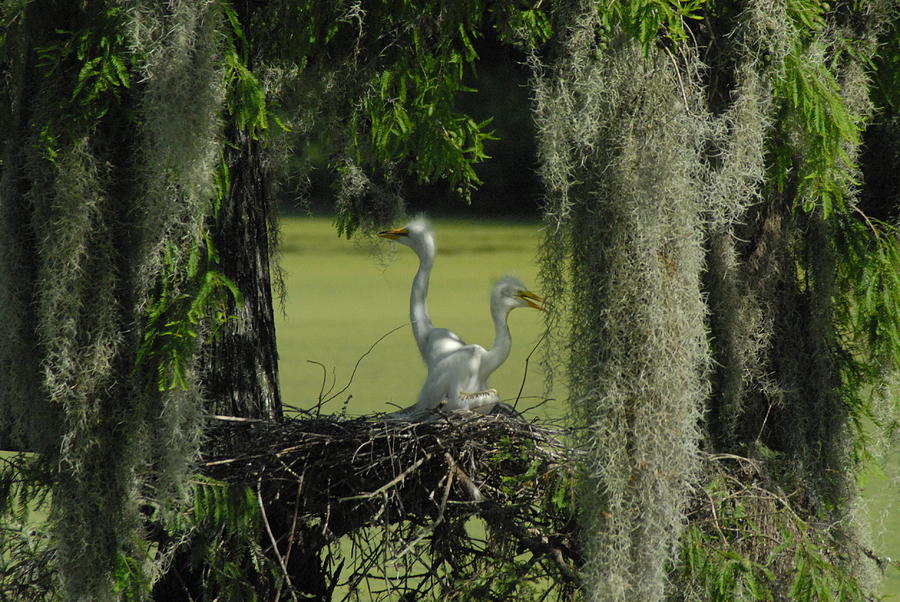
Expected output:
(342, 296)
(880, 490)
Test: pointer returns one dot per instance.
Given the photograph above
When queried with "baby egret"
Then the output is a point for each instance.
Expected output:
(460, 374)
(418, 236)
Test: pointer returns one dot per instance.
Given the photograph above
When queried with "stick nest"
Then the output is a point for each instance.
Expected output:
(425, 510)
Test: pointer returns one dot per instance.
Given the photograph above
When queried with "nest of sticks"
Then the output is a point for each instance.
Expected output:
(409, 511)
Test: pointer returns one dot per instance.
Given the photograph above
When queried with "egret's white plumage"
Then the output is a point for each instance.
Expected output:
(457, 372)
(419, 236)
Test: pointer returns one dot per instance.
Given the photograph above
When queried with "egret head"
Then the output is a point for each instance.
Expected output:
(417, 235)
(509, 293)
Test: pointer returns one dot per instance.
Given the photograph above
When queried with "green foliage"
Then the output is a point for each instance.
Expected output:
(721, 573)
(218, 505)
(130, 580)
(866, 310)
(819, 129)
(651, 21)
(886, 91)
(411, 119)
(193, 293)
(386, 84)
(826, 172)
(559, 503)
(24, 481)
(409, 107)
(521, 24)
(246, 100)
(748, 543)
(870, 278)
(818, 576)
(226, 528)
(26, 551)
(95, 62)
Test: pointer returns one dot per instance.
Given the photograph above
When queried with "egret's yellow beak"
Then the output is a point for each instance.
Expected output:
(532, 300)
(393, 234)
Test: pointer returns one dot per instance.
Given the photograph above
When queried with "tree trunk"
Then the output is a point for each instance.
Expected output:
(239, 366)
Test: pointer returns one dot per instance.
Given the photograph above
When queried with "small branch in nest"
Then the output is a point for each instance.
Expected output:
(362, 357)
(448, 483)
(322, 393)
(525, 374)
(236, 418)
(281, 561)
(291, 538)
(400, 477)
(326, 396)
(471, 487)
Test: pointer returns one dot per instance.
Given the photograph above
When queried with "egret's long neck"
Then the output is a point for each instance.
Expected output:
(502, 341)
(418, 310)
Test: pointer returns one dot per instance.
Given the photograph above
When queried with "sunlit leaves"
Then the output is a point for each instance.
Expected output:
(753, 545)
(826, 172)
(410, 109)
(96, 61)
(650, 20)
(870, 279)
(192, 294)
(886, 92)
(525, 26)
(246, 99)
(227, 524)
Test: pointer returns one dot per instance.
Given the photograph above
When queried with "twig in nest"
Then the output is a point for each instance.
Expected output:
(362, 357)
(322, 393)
(292, 536)
(440, 518)
(400, 477)
(525, 374)
(326, 396)
(281, 561)
(471, 487)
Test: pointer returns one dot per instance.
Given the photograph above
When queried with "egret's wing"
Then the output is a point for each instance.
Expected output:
(439, 345)
(453, 368)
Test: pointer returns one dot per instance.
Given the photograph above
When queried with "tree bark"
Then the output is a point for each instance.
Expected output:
(239, 366)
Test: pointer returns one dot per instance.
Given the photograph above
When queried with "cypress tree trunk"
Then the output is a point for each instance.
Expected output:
(31, 422)
(239, 365)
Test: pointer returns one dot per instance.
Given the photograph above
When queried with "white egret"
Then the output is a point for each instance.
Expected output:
(418, 236)
(460, 375)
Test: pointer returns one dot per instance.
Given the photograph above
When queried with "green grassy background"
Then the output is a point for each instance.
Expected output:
(342, 296)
